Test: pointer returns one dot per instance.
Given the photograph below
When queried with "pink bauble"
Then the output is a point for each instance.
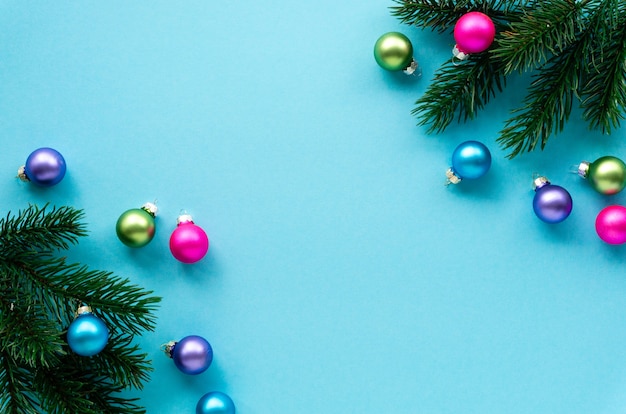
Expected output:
(474, 32)
(188, 242)
(611, 224)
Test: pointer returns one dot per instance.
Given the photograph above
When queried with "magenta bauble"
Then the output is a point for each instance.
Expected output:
(611, 224)
(188, 242)
(474, 33)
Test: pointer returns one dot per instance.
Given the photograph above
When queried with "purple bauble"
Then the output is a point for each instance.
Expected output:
(45, 167)
(552, 203)
(192, 354)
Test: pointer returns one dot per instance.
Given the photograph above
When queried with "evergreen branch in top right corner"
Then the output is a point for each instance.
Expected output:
(604, 92)
(555, 87)
(546, 29)
(459, 91)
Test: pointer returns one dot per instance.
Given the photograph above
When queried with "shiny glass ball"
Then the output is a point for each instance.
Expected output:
(471, 160)
(215, 403)
(45, 167)
(188, 242)
(192, 355)
(135, 227)
(611, 224)
(552, 203)
(393, 51)
(474, 32)
(607, 175)
(87, 335)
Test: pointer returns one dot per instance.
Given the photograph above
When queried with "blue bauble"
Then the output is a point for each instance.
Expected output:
(471, 160)
(45, 167)
(87, 335)
(215, 403)
(192, 354)
(552, 203)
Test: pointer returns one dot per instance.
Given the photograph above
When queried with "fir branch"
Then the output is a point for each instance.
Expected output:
(68, 389)
(123, 304)
(29, 336)
(576, 47)
(15, 390)
(551, 95)
(545, 30)
(605, 89)
(459, 91)
(76, 386)
(121, 362)
(548, 104)
(441, 15)
(39, 229)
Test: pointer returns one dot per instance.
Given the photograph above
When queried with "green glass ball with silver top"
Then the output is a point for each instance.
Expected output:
(136, 227)
(607, 175)
(393, 51)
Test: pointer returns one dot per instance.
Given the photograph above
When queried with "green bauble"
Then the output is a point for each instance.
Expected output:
(135, 227)
(607, 175)
(393, 51)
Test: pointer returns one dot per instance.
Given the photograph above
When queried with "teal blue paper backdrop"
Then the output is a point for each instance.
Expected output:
(343, 276)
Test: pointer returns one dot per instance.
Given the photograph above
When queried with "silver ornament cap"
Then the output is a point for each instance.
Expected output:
(540, 182)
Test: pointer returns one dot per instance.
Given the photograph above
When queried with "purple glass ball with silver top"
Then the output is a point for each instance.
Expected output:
(44, 167)
(552, 203)
(192, 355)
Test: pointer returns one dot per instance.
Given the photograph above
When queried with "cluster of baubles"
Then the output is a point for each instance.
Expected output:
(553, 203)
(474, 32)
(87, 335)
(136, 227)
(607, 175)
(193, 355)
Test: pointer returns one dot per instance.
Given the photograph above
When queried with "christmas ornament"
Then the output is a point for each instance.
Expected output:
(552, 203)
(474, 33)
(215, 403)
(611, 224)
(136, 227)
(393, 51)
(607, 175)
(192, 354)
(470, 160)
(44, 167)
(188, 242)
(87, 335)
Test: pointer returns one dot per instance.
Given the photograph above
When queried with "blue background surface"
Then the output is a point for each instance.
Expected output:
(343, 276)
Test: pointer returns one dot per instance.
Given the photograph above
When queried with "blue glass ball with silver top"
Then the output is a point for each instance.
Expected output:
(87, 335)
(215, 403)
(470, 160)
